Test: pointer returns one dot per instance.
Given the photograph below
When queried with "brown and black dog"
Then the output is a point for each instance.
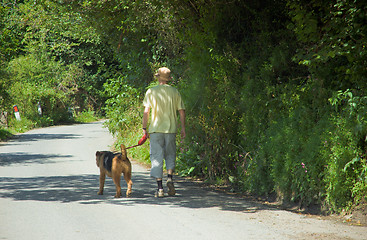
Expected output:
(113, 165)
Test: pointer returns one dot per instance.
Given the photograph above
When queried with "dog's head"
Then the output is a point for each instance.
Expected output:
(99, 156)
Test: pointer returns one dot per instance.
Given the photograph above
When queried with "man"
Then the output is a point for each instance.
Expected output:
(163, 102)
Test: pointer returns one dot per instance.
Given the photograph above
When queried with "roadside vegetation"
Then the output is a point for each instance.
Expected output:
(276, 91)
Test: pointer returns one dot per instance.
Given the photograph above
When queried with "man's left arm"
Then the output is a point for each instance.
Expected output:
(182, 119)
(145, 120)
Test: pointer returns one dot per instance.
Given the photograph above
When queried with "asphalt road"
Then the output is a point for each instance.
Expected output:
(49, 185)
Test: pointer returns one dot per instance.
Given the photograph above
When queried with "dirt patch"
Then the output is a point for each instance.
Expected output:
(358, 216)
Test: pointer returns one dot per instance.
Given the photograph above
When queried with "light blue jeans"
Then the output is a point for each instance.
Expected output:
(162, 146)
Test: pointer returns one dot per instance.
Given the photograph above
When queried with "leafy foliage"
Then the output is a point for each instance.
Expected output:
(58, 60)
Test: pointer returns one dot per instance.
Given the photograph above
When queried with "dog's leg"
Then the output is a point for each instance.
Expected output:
(102, 177)
(129, 183)
(116, 179)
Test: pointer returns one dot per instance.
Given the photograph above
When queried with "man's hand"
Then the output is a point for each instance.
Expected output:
(145, 132)
(183, 133)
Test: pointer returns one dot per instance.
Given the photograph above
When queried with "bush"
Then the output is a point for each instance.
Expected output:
(5, 133)
(124, 113)
(86, 116)
(21, 126)
(346, 177)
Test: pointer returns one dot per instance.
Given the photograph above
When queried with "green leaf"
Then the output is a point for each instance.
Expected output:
(356, 159)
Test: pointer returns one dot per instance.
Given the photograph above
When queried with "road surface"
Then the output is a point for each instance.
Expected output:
(49, 185)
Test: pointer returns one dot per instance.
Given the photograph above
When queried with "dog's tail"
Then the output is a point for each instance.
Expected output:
(123, 151)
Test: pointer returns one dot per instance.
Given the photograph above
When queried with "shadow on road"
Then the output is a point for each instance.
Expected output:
(30, 137)
(7, 159)
(83, 189)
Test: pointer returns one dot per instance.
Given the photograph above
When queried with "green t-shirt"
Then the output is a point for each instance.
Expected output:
(164, 101)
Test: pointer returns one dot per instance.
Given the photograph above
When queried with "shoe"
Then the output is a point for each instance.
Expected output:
(171, 188)
(159, 193)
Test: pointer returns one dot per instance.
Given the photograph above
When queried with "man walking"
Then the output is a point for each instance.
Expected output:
(163, 102)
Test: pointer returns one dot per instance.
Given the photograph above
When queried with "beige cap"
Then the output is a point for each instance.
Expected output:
(164, 74)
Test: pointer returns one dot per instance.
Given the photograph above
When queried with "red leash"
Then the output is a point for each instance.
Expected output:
(141, 141)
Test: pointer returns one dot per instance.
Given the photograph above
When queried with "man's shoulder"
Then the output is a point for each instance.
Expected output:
(163, 88)
(166, 90)
(171, 87)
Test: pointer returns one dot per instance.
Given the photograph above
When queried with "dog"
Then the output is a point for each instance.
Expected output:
(113, 165)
